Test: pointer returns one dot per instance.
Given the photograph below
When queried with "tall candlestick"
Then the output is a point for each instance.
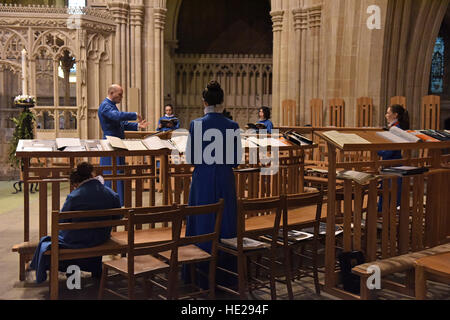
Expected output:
(24, 73)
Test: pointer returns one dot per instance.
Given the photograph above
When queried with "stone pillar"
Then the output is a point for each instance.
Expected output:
(301, 26)
(160, 18)
(136, 20)
(277, 20)
(155, 12)
(119, 11)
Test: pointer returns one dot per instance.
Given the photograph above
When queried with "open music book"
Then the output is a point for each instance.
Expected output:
(344, 138)
(256, 126)
(130, 145)
(359, 177)
(165, 122)
(297, 138)
(265, 142)
(36, 145)
(398, 135)
(69, 144)
(175, 143)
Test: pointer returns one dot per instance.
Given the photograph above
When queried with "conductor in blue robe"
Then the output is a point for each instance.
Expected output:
(396, 116)
(169, 115)
(213, 176)
(90, 194)
(264, 118)
(114, 123)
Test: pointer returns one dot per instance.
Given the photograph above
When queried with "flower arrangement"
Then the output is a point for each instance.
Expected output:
(24, 100)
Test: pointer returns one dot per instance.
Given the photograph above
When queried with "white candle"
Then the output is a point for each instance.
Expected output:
(24, 72)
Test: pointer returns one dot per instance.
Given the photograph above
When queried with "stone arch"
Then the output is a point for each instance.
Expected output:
(7, 43)
(39, 43)
(411, 31)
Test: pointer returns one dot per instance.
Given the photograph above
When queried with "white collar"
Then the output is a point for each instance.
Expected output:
(213, 109)
(98, 178)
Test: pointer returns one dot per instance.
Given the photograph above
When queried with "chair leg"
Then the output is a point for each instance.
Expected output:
(102, 282)
(131, 283)
(241, 277)
(288, 270)
(273, 288)
(212, 279)
(315, 272)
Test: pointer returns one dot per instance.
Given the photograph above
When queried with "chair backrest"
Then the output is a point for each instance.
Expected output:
(289, 112)
(316, 106)
(400, 100)
(258, 208)
(430, 112)
(302, 200)
(152, 216)
(213, 237)
(336, 109)
(364, 112)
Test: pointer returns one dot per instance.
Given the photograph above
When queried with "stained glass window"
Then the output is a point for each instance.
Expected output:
(437, 67)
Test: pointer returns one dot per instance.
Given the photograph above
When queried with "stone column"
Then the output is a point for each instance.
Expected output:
(301, 26)
(119, 11)
(277, 20)
(136, 16)
(159, 23)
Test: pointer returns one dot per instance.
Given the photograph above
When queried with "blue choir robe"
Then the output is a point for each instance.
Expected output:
(115, 123)
(391, 155)
(90, 195)
(268, 124)
(177, 126)
(211, 182)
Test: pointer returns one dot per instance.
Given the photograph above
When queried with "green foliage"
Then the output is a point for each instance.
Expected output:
(23, 130)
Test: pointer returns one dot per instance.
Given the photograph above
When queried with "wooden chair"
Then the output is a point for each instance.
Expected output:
(430, 112)
(316, 106)
(289, 113)
(364, 112)
(190, 254)
(400, 100)
(110, 247)
(336, 109)
(294, 218)
(256, 218)
(141, 260)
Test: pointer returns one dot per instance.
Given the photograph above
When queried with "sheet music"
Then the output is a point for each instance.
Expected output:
(134, 145)
(266, 142)
(116, 142)
(37, 145)
(106, 146)
(68, 142)
(180, 142)
(156, 143)
(345, 138)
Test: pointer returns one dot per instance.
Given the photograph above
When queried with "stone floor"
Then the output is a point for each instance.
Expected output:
(11, 232)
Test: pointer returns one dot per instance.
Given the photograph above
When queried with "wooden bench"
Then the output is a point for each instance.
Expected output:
(26, 251)
(399, 264)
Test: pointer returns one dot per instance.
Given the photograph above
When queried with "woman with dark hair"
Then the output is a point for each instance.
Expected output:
(213, 176)
(264, 116)
(396, 116)
(89, 194)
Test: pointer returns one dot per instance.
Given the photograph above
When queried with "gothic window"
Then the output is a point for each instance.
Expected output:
(437, 67)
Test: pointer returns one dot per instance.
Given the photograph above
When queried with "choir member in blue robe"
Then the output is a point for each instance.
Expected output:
(264, 116)
(396, 116)
(169, 115)
(212, 181)
(90, 194)
(114, 123)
